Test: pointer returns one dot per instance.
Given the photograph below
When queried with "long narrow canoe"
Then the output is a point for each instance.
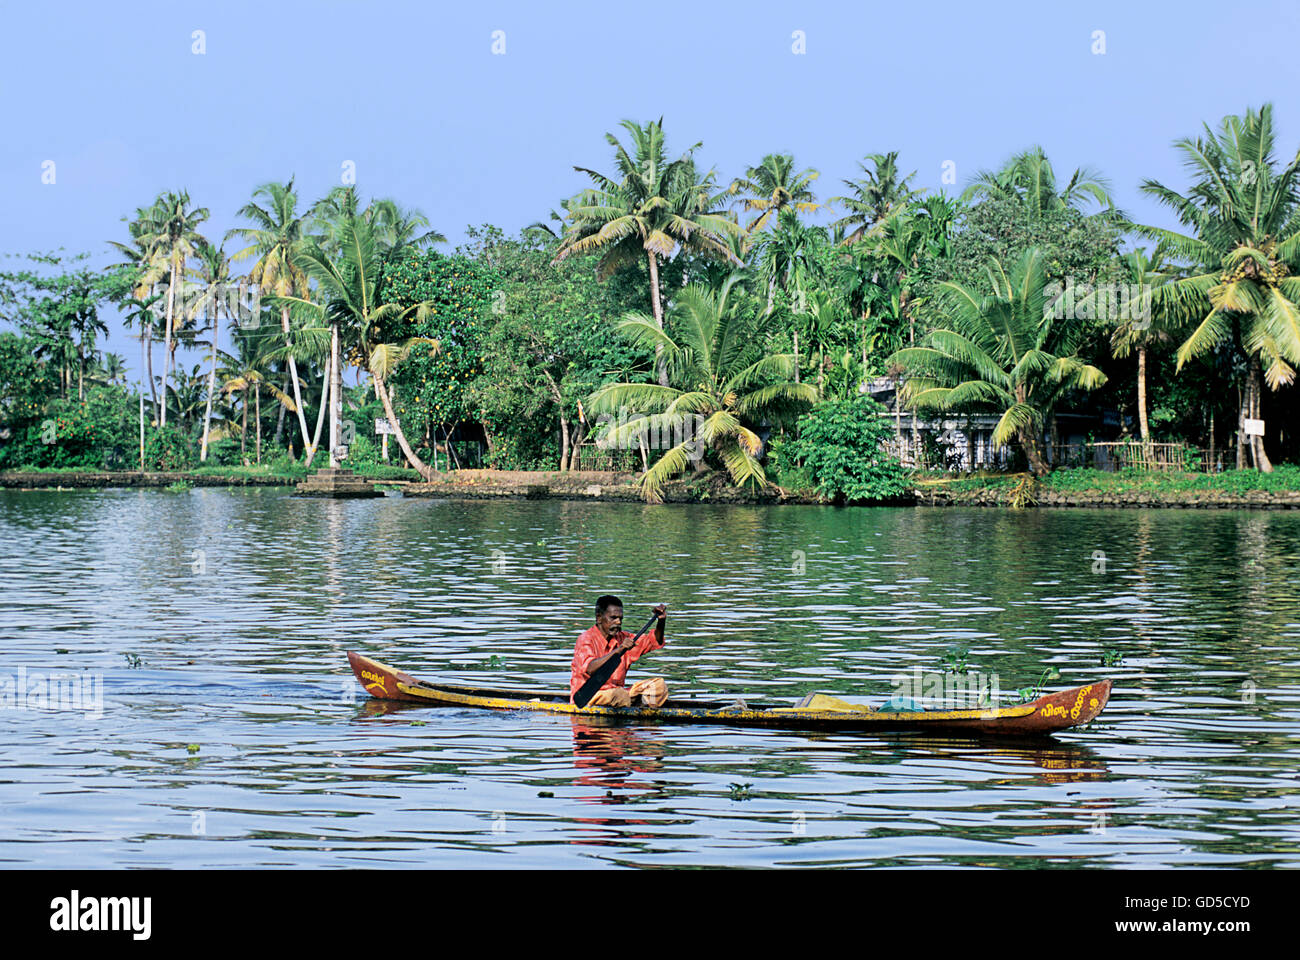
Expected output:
(1047, 714)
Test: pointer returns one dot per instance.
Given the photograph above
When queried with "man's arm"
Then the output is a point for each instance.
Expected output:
(618, 651)
(629, 643)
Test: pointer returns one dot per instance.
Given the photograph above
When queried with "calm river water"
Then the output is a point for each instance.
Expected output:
(232, 734)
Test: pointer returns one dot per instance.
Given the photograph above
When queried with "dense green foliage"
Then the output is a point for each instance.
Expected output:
(839, 449)
(661, 293)
(433, 388)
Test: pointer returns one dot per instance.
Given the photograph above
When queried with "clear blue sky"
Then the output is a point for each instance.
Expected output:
(414, 96)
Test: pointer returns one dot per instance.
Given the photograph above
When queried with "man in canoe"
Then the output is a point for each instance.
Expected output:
(608, 639)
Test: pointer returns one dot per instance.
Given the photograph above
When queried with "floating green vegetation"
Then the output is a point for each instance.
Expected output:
(1111, 657)
(192, 748)
(954, 660)
(1027, 694)
(180, 486)
(740, 791)
(133, 661)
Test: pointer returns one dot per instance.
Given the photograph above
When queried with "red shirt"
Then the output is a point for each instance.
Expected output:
(592, 645)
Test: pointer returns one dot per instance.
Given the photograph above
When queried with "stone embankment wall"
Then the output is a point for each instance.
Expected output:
(29, 481)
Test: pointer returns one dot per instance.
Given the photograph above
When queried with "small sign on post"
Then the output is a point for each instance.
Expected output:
(383, 428)
(1254, 428)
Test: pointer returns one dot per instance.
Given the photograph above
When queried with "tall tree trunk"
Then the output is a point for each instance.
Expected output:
(257, 392)
(796, 356)
(212, 384)
(1143, 426)
(1241, 429)
(142, 365)
(1257, 442)
(416, 462)
(1032, 444)
(1209, 467)
(579, 434)
(293, 372)
(660, 364)
(898, 415)
(310, 450)
(148, 365)
(279, 417)
(243, 428)
(167, 346)
(335, 390)
(558, 397)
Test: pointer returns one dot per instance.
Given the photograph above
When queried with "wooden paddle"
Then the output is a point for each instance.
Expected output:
(601, 676)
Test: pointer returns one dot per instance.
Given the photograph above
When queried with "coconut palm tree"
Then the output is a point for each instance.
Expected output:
(243, 371)
(876, 196)
(1244, 214)
(1004, 353)
(188, 396)
(648, 209)
(398, 227)
(175, 232)
(112, 369)
(145, 255)
(1137, 325)
(1029, 179)
(143, 312)
(391, 229)
(275, 236)
(356, 321)
(772, 186)
(721, 372)
(788, 257)
(214, 278)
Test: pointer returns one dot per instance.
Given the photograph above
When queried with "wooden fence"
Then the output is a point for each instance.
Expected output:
(1130, 455)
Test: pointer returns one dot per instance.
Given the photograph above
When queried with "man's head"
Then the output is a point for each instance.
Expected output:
(609, 615)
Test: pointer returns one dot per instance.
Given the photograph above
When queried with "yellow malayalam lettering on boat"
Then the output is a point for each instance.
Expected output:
(1052, 710)
(375, 680)
(1078, 702)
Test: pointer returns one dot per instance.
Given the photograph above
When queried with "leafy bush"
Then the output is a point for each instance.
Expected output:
(840, 448)
(166, 448)
(93, 434)
(223, 452)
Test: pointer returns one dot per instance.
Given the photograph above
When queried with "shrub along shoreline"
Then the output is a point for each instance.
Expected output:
(1064, 488)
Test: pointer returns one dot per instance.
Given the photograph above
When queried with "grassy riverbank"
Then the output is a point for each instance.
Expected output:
(279, 474)
(1121, 488)
(1064, 488)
